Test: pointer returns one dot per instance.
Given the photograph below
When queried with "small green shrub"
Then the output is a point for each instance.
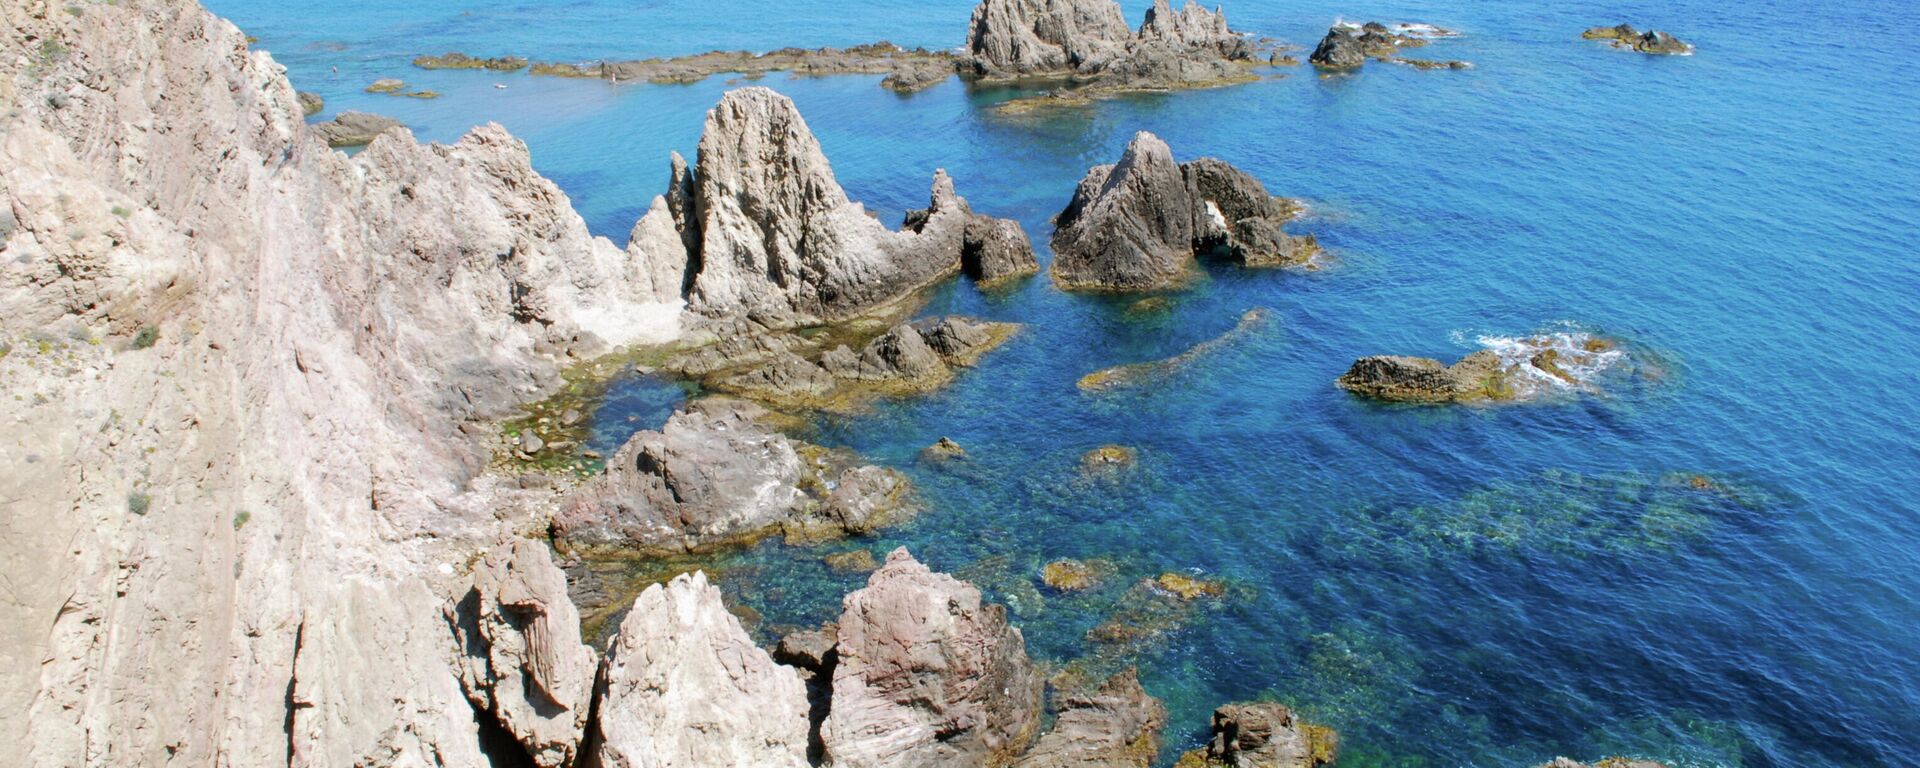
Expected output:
(138, 502)
(146, 337)
(240, 519)
(121, 212)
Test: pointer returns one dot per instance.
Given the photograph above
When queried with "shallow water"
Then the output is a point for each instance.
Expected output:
(1457, 586)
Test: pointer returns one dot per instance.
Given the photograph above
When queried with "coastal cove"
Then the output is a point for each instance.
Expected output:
(995, 384)
(1445, 586)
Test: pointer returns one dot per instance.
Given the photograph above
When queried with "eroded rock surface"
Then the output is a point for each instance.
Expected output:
(524, 663)
(350, 128)
(224, 543)
(907, 359)
(1138, 225)
(928, 675)
(759, 228)
(1115, 726)
(1478, 376)
(1348, 46)
(1089, 43)
(717, 475)
(683, 685)
(1263, 735)
(906, 70)
(1651, 41)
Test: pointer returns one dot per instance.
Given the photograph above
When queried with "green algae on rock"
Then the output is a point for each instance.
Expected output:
(457, 60)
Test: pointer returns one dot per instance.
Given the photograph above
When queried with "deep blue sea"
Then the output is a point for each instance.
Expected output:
(1456, 586)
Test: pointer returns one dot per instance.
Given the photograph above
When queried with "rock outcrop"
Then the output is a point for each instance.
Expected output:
(1347, 46)
(906, 70)
(458, 60)
(352, 129)
(1610, 762)
(1115, 726)
(1263, 735)
(311, 103)
(719, 475)
(1088, 44)
(683, 685)
(761, 229)
(1651, 41)
(928, 675)
(1139, 224)
(1479, 376)
(907, 359)
(232, 524)
(524, 663)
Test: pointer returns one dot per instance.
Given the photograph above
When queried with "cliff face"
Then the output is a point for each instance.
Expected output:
(238, 464)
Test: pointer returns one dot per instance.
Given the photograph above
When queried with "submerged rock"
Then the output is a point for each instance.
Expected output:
(907, 359)
(761, 229)
(943, 450)
(353, 129)
(458, 60)
(1107, 458)
(1651, 41)
(522, 660)
(1138, 225)
(1069, 575)
(718, 475)
(1115, 726)
(683, 684)
(1263, 735)
(1134, 373)
(928, 675)
(387, 85)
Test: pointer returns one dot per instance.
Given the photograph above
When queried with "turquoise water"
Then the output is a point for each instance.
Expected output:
(1461, 586)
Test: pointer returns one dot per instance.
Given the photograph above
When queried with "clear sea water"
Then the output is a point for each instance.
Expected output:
(1446, 586)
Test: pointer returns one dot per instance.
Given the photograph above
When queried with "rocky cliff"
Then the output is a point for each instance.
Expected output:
(240, 480)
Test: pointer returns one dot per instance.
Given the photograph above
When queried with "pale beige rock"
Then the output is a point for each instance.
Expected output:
(928, 675)
(525, 666)
(231, 547)
(685, 686)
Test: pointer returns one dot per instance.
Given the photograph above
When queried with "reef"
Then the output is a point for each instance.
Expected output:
(906, 70)
(457, 60)
(907, 359)
(1514, 370)
(1610, 762)
(1651, 41)
(1140, 224)
(1132, 374)
(1348, 46)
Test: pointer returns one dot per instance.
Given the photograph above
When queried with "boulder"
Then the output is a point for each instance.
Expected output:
(942, 450)
(1138, 225)
(1115, 726)
(995, 250)
(353, 129)
(810, 650)
(522, 662)
(1339, 50)
(718, 475)
(1263, 735)
(683, 685)
(928, 675)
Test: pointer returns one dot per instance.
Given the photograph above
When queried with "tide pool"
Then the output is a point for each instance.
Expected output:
(1465, 586)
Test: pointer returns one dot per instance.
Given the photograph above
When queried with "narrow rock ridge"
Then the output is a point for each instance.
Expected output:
(1610, 762)
(719, 475)
(760, 228)
(1139, 224)
(907, 359)
(906, 70)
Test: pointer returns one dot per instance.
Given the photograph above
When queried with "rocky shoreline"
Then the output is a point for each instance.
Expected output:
(298, 548)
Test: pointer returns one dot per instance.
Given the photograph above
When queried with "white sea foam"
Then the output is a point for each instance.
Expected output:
(1409, 29)
(1579, 355)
